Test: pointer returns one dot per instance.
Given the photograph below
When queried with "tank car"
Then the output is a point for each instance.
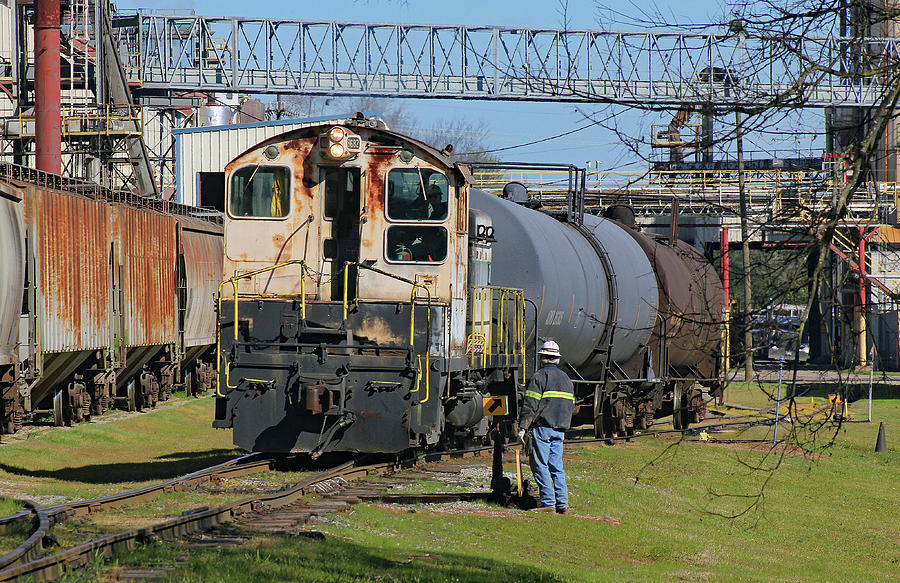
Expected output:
(374, 302)
(108, 298)
(638, 318)
(356, 315)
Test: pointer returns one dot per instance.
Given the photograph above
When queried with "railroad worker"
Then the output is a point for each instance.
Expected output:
(429, 206)
(547, 413)
(437, 207)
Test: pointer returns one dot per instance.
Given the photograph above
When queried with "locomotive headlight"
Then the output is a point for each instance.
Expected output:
(339, 143)
(337, 150)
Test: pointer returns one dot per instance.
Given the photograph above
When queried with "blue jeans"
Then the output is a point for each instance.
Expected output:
(546, 460)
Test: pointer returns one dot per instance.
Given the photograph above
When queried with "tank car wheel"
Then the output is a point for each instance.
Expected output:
(59, 416)
(681, 416)
(604, 425)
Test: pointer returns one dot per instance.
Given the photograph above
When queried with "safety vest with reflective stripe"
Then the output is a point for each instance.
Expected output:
(549, 399)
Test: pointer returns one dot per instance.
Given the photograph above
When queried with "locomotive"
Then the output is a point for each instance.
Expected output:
(374, 301)
(106, 298)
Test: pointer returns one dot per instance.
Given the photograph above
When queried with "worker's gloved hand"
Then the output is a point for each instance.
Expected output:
(521, 435)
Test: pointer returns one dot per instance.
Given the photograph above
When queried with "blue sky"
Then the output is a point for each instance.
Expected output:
(509, 123)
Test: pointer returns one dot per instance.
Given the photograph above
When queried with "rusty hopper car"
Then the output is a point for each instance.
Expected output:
(350, 319)
(111, 298)
(374, 302)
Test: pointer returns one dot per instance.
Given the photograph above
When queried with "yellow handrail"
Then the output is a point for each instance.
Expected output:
(484, 296)
(233, 281)
(346, 281)
(412, 338)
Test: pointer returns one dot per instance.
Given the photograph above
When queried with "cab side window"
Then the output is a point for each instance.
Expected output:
(417, 194)
(414, 244)
(260, 191)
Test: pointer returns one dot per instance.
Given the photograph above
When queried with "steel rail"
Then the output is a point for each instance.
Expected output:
(192, 521)
(720, 426)
(49, 516)
(52, 567)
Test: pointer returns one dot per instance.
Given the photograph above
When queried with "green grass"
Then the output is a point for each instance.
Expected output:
(686, 510)
(92, 459)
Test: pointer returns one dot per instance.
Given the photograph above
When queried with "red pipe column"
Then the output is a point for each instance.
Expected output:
(47, 82)
(861, 324)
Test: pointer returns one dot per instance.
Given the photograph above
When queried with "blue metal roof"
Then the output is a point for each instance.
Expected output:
(260, 124)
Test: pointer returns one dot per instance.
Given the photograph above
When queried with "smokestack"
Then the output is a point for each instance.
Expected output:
(47, 86)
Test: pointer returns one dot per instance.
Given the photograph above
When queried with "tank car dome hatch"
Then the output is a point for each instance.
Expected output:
(621, 213)
(516, 192)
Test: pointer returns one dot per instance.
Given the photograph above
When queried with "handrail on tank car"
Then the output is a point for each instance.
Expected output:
(479, 293)
(233, 281)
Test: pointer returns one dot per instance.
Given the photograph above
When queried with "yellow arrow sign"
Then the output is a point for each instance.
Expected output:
(495, 405)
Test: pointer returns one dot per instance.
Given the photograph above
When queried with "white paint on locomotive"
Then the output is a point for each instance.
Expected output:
(389, 202)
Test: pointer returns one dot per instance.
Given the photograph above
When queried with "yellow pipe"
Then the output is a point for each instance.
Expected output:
(233, 281)
(303, 292)
(482, 294)
(520, 324)
(346, 280)
(500, 320)
(412, 329)
(219, 340)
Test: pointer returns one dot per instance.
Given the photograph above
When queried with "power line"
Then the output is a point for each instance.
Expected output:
(531, 143)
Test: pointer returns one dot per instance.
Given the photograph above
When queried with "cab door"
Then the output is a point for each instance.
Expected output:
(341, 199)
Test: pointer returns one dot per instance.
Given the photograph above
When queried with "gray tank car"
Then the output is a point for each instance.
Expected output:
(638, 318)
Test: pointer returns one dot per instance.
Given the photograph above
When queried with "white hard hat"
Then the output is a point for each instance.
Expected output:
(550, 348)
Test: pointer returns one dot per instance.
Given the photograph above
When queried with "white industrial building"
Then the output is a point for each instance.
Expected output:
(201, 155)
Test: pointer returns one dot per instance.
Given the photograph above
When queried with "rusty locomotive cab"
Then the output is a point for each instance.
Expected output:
(356, 313)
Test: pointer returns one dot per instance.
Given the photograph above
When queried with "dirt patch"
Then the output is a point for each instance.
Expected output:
(766, 447)
(474, 509)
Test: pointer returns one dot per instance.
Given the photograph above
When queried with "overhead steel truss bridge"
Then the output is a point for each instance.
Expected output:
(191, 53)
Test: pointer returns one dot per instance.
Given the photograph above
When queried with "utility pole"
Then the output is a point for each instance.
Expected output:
(745, 252)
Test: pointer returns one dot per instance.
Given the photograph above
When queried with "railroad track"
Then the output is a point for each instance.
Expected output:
(285, 509)
(25, 560)
(45, 517)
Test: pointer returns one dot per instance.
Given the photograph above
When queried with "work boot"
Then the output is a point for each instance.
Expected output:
(562, 510)
(542, 508)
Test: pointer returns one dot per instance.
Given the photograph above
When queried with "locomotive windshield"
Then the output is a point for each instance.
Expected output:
(417, 194)
(260, 191)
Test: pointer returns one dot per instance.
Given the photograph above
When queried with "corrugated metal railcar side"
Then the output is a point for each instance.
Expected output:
(12, 269)
(146, 247)
(202, 247)
(71, 238)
